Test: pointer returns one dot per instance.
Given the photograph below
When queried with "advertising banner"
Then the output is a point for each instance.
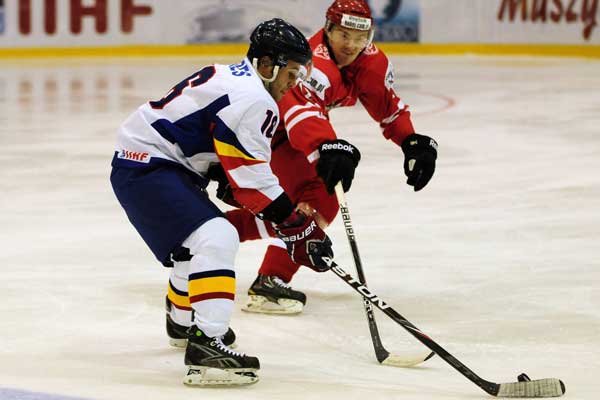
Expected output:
(511, 21)
(109, 23)
(396, 20)
(561, 20)
(65, 23)
(210, 21)
(232, 21)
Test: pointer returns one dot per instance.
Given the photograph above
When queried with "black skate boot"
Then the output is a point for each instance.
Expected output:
(271, 295)
(211, 363)
(178, 333)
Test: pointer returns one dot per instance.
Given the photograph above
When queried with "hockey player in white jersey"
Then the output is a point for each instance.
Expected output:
(222, 114)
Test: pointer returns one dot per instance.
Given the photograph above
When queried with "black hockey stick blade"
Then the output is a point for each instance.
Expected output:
(524, 388)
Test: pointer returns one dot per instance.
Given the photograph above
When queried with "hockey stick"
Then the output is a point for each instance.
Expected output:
(549, 387)
(383, 356)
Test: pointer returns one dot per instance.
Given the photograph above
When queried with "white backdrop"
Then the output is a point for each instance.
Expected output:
(164, 24)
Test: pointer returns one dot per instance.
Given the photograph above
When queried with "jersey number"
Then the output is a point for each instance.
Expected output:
(197, 79)
(270, 124)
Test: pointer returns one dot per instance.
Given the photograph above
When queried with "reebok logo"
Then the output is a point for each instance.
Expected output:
(433, 144)
(338, 146)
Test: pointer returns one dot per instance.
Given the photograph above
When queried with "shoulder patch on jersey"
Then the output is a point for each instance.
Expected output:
(372, 49)
(322, 52)
(318, 82)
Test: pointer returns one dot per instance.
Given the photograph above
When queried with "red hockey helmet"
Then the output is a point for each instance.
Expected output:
(353, 14)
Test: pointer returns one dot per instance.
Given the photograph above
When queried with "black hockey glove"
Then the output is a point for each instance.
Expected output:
(420, 153)
(307, 244)
(224, 191)
(337, 161)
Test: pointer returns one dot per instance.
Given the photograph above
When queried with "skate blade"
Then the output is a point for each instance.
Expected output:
(210, 377)
(260, 304)
(182, 343)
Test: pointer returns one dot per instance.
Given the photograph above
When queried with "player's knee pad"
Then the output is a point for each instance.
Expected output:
(216, 240)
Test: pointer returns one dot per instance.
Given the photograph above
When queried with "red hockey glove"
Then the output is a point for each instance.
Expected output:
(306, 242)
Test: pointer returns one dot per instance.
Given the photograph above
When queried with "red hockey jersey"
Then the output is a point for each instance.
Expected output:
(369, 79)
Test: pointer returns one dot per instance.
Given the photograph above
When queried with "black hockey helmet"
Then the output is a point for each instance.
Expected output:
(280, 41)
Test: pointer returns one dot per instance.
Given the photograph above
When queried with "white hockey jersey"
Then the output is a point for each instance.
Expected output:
(223, 114)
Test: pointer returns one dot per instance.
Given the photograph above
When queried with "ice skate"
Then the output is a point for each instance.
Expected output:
(271, 295)
(178, 333)
(211, 363)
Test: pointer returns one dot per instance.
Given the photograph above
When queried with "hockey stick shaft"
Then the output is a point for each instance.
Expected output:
(539, 388)
(380, 351)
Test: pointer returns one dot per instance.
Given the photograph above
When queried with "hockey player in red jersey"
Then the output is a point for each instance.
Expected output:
(310, 157)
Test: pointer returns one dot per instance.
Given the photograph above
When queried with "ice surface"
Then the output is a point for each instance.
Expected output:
(497, 259)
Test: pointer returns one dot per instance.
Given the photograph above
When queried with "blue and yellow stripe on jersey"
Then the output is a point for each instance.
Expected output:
(178, 298)
(227, 145)
(216, 284)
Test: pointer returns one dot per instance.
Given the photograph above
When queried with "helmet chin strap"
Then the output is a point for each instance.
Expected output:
(266, 81)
